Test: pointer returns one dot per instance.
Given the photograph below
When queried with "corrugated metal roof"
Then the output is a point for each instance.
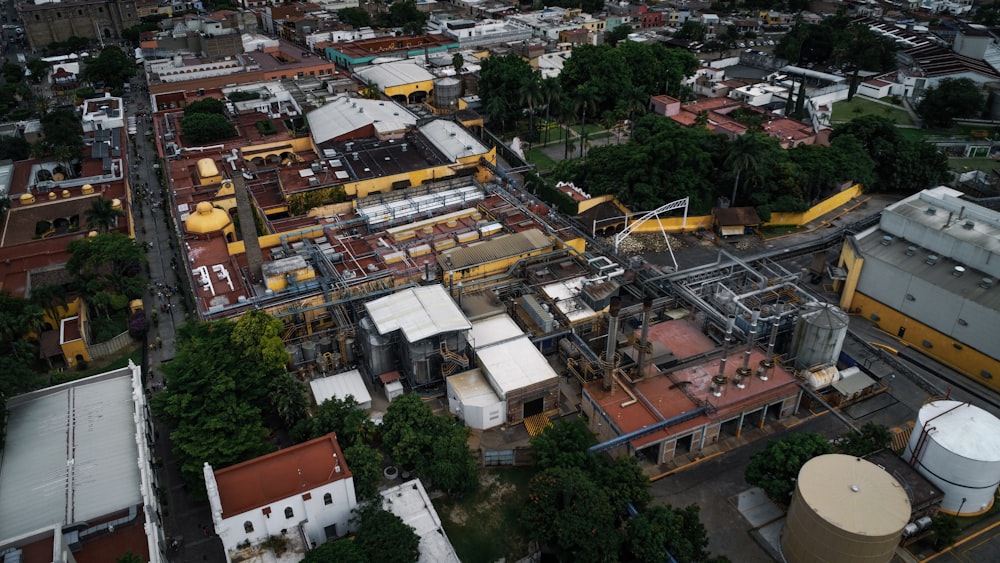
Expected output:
(504, 246)
(340, 386)
(493, 330)
(420, 312)
(514, 364)
(453, 140)
(70, 455)
(397, 73)
(344, 114)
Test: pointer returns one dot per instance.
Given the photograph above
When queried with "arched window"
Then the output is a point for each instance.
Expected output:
(327, 498)
(248, 526)
(288, 512)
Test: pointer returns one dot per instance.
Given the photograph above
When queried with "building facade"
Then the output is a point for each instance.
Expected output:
(48, 22)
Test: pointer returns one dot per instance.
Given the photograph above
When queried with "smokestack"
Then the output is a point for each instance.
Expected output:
(244, 211)
(609, 353)
(767, 364)
(644, 355)
(743, 373)
(719, 381)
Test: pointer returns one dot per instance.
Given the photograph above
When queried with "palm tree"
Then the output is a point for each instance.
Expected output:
(551, 95)
(531, 95)
(51, 298)
(743, 156)
(585, 101)
(102, 215)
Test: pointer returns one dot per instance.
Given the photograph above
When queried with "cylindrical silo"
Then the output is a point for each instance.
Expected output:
(378, 349)
(325, 345)
(819, 335)
(844, 510)
(446, 92)
(309, 351)
(294, 354)
(956, 446)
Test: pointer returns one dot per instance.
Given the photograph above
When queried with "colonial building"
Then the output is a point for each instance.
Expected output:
(47, 22)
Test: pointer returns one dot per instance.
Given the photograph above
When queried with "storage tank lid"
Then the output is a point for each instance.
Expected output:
(963, 429)
(854, 495)
(825, 316)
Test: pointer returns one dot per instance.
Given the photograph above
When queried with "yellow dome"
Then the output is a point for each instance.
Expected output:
(206, 219)
(207, 168)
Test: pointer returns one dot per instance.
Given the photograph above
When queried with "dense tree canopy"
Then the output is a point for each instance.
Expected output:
(775, 468)
(19, 318)
(383, 537)
(217, 393)
(950, 99)
(500, 81)
(901, 164)
(112, 66)
(838, 42)
(355, 17)
(207, 127)
(679, 531)
(108, 263)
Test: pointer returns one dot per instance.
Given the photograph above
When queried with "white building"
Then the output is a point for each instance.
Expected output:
(102, 113)
(304, 493)
(340, 386)
(409, 501)
(76, 476)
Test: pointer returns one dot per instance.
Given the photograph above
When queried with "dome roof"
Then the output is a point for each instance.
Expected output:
(206, 219)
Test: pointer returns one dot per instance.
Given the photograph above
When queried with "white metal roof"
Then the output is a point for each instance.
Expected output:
(963, 429)
(340, 386)
(494, 329)
(398, 73)
(420, 312)
(70, 454)
(409, 501)
(453, 140)
(514, 364)
(473, 389)
(345, 114)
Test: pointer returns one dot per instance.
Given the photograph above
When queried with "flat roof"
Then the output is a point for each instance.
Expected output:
(453, 140)
(340, 386)
(70, 454)
(396, 73)
(344, 115)
(492, 330)
(409, 501)
(419, 312)
(473, 389)
(514, 364)
(260, 481)
(497, 248)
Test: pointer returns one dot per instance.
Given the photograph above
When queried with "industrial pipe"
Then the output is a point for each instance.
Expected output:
(719, 381)
(767, 364)
(609, 353)
(647, 306)
(743, 373)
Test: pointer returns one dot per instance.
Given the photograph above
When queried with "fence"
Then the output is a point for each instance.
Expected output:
(512, 457)
(110, 347)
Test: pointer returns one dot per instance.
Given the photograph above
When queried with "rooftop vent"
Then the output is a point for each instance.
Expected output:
(932, 259)
(930, 211)
(958, 271)
(910, 250)
(886, 240)
(968, 225)
(986, 283)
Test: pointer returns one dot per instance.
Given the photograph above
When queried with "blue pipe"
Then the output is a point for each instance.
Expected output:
(625, 438)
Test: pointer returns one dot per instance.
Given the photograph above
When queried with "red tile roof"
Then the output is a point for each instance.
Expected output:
(279, 475)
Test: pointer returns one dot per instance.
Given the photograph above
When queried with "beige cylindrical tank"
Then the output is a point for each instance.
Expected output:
(844, 510)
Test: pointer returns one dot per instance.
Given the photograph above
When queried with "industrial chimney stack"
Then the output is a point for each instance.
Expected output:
(719, 381)
(644, 349)
(767, 364)
(742, 377)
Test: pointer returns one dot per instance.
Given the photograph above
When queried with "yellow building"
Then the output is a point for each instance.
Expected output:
(491, 257)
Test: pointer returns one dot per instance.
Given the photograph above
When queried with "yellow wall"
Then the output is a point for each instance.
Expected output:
(944, 349)
(279, 283)
(588, 204)
(852, 261)
(821, 208)
(407, 89)
(488, 269)
(298, 144)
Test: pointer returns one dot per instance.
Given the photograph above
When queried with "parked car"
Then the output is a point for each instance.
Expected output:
(740, 45)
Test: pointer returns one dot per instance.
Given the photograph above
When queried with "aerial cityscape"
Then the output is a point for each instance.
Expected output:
(481, 281)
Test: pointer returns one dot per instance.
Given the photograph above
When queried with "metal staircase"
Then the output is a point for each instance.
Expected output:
(452, 360)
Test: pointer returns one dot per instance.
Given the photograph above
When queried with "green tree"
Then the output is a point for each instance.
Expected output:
(207, 127)
(128, 557)
(365, 463)
(618, 34)
(946, 531)
(102, 215)
(624, 482)
(458, 61)
(569, 512)
(775, 468)
(873, 438)
(340, 551)
(531, 95)
(288, 399)
(659, 528)
(13, 148)
(51, 298)
(500, 81)
(950, 99)
(206, 105)
(109, 262)
(383, 537)
(355, 17)
(112, 66)
(62, 128)
(404, 14)
(903, 164)
(12, 72)
(37, 67)
(744, 156)
(564, 444)
(258, 335)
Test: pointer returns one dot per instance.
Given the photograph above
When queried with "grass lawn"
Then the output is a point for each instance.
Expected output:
(917, 134)
(966, 164)
(483, 526)
(848, 110)
(591, 127)
(540, 159)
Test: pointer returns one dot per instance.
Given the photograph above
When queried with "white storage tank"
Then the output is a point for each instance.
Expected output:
(956, 446)
(823, 377)
(844, 510)
(819, 335)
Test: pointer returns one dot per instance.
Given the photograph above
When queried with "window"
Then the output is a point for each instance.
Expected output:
(79, 12)
(327, 498)
(288, 512)
(248, 526)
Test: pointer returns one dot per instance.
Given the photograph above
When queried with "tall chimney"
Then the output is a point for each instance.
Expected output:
(644, 355)
(743, 372)
(767, 364)
(248, 228)
(719, 381)
(609, 352)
